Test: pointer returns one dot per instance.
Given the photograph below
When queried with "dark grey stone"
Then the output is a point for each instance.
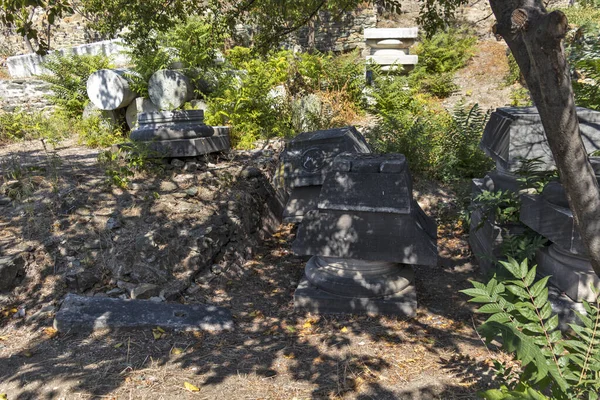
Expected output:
(144, 291)
(565, 308)
(81, 279)
(569, 272)
(402, 238)
(190, 147)
(309, 156)
(517, 132)
(10, 266)
(302, 200)
(358, 278)
(169, 125)
(551, 221)
(312, 299)
(86, 314)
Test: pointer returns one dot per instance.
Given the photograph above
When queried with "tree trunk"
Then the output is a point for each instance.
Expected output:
(535, 39)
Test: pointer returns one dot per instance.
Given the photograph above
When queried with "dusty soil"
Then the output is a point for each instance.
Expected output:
(273, 353)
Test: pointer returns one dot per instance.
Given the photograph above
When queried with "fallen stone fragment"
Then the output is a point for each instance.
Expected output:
(85, 314)
(9, 268)
(144, 291)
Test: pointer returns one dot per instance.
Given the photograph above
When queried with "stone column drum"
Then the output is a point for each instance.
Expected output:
(108, 89)
(365, 236)
(306, 161)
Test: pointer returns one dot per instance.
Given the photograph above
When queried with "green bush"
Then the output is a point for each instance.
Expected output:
(522, 320)
(584, 57)
(459, 155)
(68, 79)
(440, 56)
(27, 125)
(264, 97)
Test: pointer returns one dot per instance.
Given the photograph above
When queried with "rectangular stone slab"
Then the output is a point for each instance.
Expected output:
(86, 314)
(309, 298)
(551, 221)
(372, 192)
(517, 132)
(408, 239)
(405, 59)
(391, 33)
(191, 147)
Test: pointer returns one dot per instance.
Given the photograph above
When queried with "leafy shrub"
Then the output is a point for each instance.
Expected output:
(514, 73)
(407, 122)
(264, 97)
(521, 317)
(68, 78)
(584, 56)
(459, 153)
(26, 125)
(93, 132)
(439, 57)
(122, 164)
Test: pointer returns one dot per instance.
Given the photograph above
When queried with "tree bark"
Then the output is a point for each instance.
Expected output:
(535, 39)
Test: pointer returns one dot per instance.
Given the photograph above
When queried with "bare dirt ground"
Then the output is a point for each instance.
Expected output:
(273, 353)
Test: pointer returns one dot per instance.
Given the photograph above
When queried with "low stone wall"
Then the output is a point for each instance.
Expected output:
(24, 93)
(28, 65)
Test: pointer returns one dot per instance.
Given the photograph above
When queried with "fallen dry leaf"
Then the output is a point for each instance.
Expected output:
(191, 387)
(176, 351)
(50, 332)
(344, 330)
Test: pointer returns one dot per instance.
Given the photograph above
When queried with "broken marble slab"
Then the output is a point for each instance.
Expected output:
(515, 133)
(551, 221)
(171, 125)
(402, 238)
(308, 157)
(87, 314)
(192, 147)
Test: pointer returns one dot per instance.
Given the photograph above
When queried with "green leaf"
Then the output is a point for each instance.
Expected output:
(517, 291)
(500, 317)
(530, 277)
(552, 323)
(490, 308)
(512, 266)
(537, 288)
(523, 269)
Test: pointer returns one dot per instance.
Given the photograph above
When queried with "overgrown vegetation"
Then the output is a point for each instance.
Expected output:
(22, 124)
(68, 78)
(521, 318)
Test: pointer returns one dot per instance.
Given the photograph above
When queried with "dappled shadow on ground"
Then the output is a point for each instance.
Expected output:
(274, 351)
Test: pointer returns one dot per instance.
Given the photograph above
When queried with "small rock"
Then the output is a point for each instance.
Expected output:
(156, 299)
(183, 178)
(190, 166)
(113, 223)
(177, 163)
(167, 186)
(93, 244)
(144, 291)
(9, 268)
(114, 292)
(179, 195)
(5, 201)
(216, 269)
(192, 191)
(79, 278)
(251, 172)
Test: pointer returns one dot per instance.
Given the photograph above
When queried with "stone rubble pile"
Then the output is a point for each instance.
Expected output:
(513, 135)
(156, 121)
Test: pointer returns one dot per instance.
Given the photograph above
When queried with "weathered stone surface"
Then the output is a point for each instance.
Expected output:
(27, 65)
(191, 147)
(301, 200)
(138, 106)
(108, 89)
(170, 89)
(9, 268)
(391, 33)
(571, 273)
(144, 291)
(308, 157)
(551, 221)
(402, 238)
(312, 299)
(85, 314)
(170, 125)
(399, 59)
(79, 278)
(390, 43)
(358, 278)
(516, 132)
(366, 182)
